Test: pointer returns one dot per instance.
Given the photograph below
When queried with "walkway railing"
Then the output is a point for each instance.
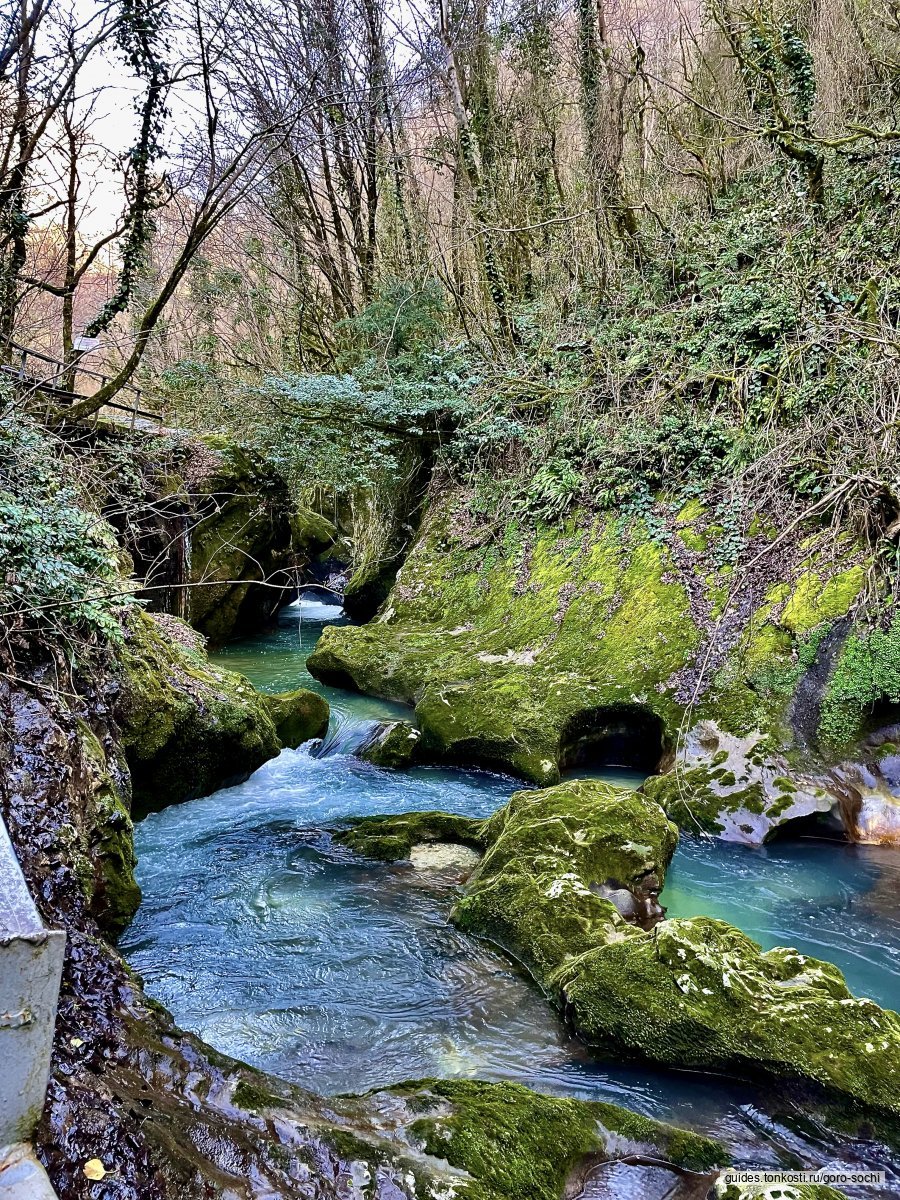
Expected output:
(31, 960)
(32, 369)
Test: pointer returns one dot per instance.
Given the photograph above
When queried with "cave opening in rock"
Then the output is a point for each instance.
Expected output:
(882, 722)
(625, 736)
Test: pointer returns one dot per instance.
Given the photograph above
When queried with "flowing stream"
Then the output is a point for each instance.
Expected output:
(284, 950)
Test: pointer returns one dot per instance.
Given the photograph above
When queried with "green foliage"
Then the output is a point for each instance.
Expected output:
(60, 563)
(402, 320)
(867, 674)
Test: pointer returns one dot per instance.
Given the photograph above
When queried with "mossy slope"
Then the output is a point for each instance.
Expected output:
(531, 650)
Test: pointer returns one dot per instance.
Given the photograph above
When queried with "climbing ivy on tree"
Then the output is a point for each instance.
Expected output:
(141, 41)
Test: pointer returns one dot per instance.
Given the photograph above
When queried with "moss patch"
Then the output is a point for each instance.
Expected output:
(519, 1145)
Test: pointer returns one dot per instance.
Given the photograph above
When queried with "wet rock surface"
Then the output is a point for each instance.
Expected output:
(187, 727)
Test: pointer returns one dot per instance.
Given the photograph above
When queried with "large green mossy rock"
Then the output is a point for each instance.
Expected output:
(515, 1144)
(568, 886)
(187, 727)
(531, 650)
(299, 716)
(700, 994)
(567, 868)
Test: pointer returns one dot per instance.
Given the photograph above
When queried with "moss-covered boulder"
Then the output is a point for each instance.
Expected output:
(187, 727)
(533, 650)
(392, 744)
(393, 838)
(510, 1143)
(568, 880)
(567, 868)
(299, 716)
(699, 993)
(568, 886)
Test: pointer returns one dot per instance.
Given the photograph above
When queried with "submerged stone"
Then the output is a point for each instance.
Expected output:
(393, 838)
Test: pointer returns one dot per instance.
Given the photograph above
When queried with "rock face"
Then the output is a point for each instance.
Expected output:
(187, 727)
(244, 537)
(215, 538)
(735, 788)
(568, 886)
(542, 650)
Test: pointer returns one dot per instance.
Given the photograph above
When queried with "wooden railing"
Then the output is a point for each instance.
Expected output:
(51, 382)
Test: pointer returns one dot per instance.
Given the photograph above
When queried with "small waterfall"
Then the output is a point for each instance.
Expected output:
(346, 734)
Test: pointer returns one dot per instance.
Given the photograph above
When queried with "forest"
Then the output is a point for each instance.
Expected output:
(449, 558)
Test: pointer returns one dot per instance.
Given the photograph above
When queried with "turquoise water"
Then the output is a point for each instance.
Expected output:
(284, 950)
(829, 899)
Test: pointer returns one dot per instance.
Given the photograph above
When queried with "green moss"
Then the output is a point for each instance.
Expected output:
(502, 651)
(298, 716)
(392, 838)
(187, 727)
(255, 1098)
(689, 799)
(311, 532)
(816, 599)
(519, 1145)
(701, 994)
(103, 854)
(867, 673)
(537, 891)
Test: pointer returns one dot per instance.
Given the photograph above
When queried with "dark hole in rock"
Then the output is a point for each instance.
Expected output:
(624, 735)
(822, 826)
(882, 723)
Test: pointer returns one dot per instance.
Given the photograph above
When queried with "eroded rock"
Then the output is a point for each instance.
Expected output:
(188, 727)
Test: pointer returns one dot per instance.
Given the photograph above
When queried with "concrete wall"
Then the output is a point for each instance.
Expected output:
(31, 959)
